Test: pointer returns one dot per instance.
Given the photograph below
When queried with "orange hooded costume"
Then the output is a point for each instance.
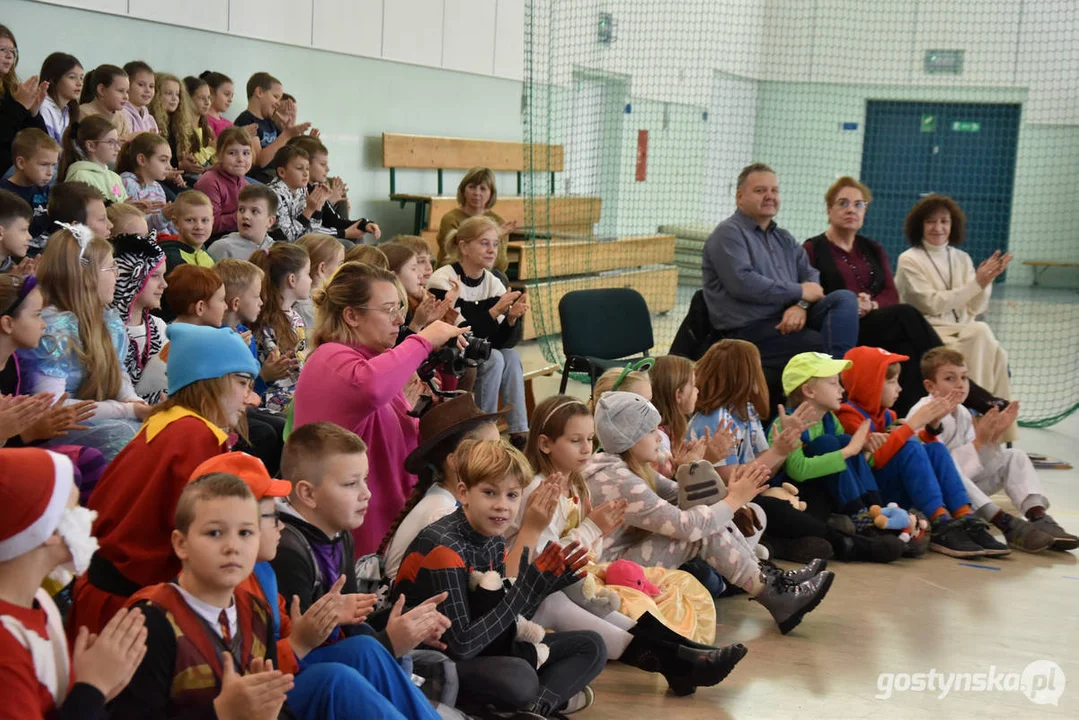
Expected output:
(864, 382)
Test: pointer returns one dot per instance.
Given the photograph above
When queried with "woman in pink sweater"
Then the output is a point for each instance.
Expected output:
(222, 183)
(355, 378)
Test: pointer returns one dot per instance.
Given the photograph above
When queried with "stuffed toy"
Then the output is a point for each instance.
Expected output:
(486, 590)
(600, 601)
(699, 484)
(787, 492)
(893, 517)
(629, 574)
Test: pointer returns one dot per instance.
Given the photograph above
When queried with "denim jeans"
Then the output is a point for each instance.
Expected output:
(502, 374)
(831, 327)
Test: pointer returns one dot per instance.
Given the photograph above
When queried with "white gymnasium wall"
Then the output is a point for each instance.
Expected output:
(484, 37)
(351, 97)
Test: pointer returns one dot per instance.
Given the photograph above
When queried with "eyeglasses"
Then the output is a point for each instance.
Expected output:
(113, 142)
(114, 269)
(396, 311)
(9, 52)
(247, 380)
(845, 203)
(275, 516)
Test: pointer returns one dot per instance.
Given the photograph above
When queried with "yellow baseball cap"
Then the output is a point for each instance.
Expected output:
(808, 365)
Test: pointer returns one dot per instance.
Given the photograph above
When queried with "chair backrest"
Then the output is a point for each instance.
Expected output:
(609, 324)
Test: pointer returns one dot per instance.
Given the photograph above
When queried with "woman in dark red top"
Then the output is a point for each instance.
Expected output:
(847, 260)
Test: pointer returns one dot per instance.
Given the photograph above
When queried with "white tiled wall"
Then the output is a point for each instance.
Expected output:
(485, 37)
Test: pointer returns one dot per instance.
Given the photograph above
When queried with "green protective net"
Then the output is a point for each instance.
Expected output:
(655, 106)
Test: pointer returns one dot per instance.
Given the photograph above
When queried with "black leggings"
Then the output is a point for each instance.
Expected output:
(510, 683)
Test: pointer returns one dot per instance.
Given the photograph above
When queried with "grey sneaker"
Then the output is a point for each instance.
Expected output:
(773, 572)
(1025, 536)
(789, 603)
(1062, 539)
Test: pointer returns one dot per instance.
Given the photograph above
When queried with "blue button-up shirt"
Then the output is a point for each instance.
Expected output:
(751, 274)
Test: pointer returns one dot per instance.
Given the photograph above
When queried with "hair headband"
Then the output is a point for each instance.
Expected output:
(83, 235)
(642, 365)
(27, 283)
(556, 408)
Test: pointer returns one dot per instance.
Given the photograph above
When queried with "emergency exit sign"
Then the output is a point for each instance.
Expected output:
(966, 126)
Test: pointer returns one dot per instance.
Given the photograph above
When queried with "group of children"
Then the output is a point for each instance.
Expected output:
(152, 338)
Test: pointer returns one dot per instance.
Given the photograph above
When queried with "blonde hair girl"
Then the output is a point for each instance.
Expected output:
(82, 350)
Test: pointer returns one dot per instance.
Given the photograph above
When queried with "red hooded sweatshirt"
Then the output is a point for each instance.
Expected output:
(864, 382)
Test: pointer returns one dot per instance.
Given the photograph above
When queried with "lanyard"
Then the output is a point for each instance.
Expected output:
(948, 282)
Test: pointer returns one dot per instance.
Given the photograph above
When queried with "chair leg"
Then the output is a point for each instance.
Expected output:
(565, 378)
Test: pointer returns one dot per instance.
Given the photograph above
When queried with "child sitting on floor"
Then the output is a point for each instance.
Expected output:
(210, 372)
(658, 532)
(42, 529)
(348, 679)
(733, 397)
(986, 467)
(558, 448)
(908, 471)
(464, 553)
(442, 429)
(200, 624)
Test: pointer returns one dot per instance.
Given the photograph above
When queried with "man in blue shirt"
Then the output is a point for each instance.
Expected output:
(760, 287)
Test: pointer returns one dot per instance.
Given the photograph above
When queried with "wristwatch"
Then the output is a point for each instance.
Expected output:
(802, 304)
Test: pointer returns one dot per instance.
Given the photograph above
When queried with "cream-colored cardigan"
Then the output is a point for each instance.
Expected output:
(922, 285)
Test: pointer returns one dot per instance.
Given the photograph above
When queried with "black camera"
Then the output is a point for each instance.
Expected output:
(455, 360)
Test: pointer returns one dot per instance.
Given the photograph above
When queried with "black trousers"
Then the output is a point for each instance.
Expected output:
(266, 431)
(510, 683)
(902, 329)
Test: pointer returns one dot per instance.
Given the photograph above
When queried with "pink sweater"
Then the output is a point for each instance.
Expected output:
(360, 389)
(224, 193)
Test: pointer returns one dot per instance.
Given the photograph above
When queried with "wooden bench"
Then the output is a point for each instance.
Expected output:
(543, 214)
(658, 285)
(1040, 266)
(529, 376)
(551, 258)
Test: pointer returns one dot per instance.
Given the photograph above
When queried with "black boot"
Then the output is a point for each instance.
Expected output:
(684, 667)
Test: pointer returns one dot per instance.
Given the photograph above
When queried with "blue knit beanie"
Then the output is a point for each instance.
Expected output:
(204, 353)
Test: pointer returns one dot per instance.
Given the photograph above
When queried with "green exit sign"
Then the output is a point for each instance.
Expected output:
(966, 126)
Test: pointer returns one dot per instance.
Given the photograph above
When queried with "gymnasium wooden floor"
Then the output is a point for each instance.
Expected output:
(911, 617)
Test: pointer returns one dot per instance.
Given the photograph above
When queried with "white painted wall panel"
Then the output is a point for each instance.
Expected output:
(468, 36)
(509, 39)
(988, 31)
(349, 26)
(286, 21)
(202, 14)
(412, 31)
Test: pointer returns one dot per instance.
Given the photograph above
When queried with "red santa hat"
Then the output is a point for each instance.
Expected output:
(34, 489)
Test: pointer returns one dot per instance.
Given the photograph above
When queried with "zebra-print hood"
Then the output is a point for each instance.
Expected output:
(137, 256)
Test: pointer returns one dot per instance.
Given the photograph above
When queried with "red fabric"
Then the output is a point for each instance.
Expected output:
(24, 697)
(136, 499)
(286, 658)
(34, 478)
(864, 382)
(91, 607)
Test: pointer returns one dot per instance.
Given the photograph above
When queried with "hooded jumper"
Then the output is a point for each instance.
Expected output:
(864, 382)
(138, 257)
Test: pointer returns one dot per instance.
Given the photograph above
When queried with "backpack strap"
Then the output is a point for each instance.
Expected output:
(296, 541)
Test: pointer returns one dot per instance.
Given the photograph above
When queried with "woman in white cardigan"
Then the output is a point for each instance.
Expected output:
(940, 280)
